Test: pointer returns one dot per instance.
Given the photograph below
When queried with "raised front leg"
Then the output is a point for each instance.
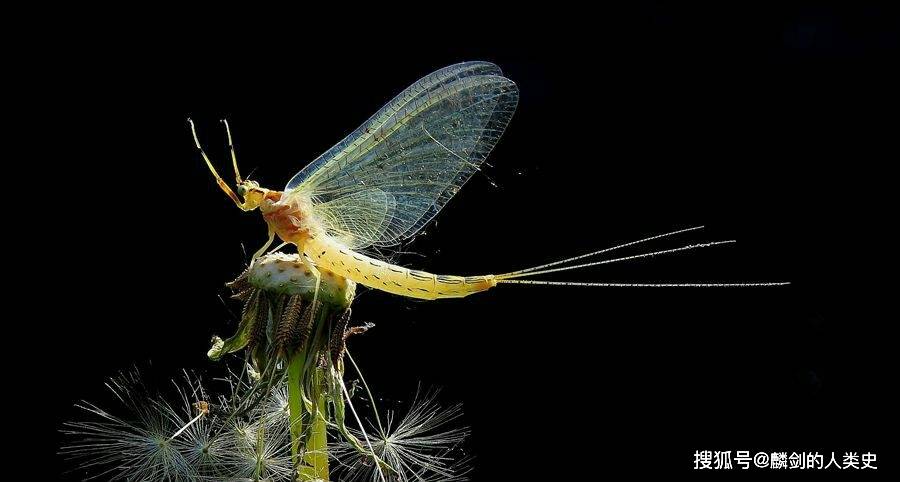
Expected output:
(212, 169)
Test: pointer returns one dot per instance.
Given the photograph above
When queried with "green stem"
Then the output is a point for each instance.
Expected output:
(295, 403)
(316, 456)
(260, 447)
(303, 373)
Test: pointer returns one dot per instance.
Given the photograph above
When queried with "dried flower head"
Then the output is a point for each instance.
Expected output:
(280, 299)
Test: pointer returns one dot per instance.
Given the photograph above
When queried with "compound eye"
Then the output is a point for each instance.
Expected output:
(241, 190)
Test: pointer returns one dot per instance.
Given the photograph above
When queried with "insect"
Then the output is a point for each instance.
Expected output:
(385, 181)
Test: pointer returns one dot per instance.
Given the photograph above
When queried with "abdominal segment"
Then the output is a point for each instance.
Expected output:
(398, 280)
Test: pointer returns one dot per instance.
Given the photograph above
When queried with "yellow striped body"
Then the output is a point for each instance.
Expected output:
(289, 217)
(328, 254)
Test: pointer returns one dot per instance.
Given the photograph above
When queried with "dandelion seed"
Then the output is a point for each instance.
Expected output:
(423, 446)
(257, 451)
(137, 445)
(190, 439)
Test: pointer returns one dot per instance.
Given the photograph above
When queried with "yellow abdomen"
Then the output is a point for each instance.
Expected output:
(331, 255)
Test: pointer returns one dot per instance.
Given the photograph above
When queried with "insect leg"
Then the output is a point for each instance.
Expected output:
(262, 250)
(318, 275)
(212, 169)
(237, 174)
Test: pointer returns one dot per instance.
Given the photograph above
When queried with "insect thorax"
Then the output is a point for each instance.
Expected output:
(290, 218)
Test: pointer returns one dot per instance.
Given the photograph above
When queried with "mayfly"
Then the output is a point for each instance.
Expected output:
(386, 180)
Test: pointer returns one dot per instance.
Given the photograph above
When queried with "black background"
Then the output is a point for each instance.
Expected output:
(777, 128)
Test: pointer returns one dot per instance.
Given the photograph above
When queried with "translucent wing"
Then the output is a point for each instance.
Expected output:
(357, 218)
(387, 179)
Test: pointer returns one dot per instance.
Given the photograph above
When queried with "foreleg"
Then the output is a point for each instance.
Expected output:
(262, 250)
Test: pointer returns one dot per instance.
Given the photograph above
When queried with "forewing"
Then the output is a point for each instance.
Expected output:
(411, 157)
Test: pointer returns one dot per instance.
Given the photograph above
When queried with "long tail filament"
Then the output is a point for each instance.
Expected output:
(554, 267)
